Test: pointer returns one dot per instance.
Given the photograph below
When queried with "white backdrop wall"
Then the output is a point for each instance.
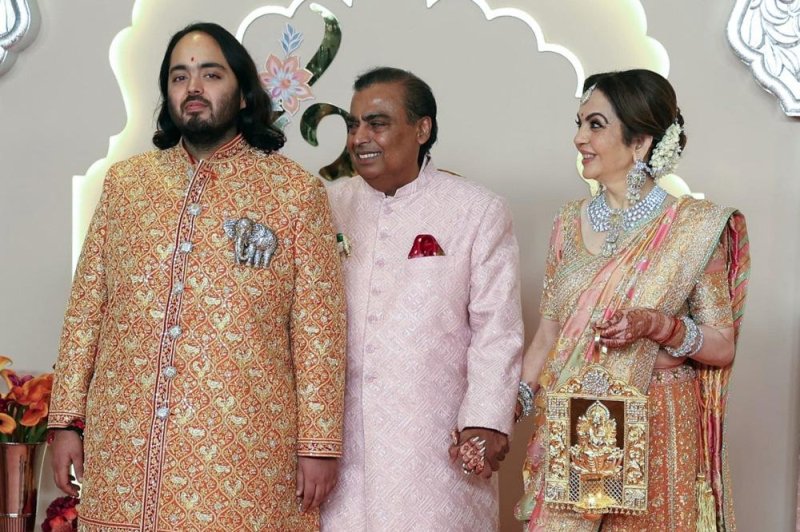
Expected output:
(506, 120)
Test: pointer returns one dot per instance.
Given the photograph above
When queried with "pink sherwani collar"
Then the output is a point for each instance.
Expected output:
(426, 174)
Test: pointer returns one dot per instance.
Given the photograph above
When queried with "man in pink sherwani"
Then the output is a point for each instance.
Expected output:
(434, 325)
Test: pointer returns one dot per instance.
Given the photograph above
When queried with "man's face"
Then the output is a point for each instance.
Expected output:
(203, 93)
(382, 142)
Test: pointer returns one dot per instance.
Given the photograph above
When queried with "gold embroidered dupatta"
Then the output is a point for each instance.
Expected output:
(712, 383)
(657, 267)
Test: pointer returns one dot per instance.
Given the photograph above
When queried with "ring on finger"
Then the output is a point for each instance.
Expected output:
(473, 455)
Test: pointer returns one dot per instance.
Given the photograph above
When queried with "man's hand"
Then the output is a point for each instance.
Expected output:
(316, 478)
(67, 450)
(496, 447)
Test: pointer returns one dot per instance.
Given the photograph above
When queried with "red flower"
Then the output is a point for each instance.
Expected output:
(62, 515)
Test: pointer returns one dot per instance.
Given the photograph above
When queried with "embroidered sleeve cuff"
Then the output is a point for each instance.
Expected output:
(62, 420)
(505, 428)
(321, 448)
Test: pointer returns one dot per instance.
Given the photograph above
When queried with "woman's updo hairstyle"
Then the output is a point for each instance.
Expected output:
(644, 101)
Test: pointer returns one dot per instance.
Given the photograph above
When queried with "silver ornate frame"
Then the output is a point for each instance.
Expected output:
(20, 33)
(766, 35)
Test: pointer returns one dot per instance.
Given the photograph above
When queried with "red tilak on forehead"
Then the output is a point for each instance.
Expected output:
(192, 59)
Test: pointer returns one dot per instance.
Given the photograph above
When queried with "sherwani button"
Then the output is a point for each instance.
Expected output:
(379, 263)
(162, 412)
(177, 288)
(175, 331)
(186, 247)
(170, 372)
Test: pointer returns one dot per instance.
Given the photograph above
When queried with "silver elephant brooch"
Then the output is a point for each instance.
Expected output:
(253, 243)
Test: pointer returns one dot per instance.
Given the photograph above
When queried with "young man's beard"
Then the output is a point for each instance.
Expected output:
(204, 133)
(207, 133)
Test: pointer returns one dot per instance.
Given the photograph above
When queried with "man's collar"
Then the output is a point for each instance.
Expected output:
(423, 178)
(228, 150)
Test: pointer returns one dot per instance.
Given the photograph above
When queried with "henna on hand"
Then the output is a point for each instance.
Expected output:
(662, 327)
(629, 325)
(480, 449)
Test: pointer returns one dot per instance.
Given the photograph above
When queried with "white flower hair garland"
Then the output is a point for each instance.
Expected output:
(667, 152)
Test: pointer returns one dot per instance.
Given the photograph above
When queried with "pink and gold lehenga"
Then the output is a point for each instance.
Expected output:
(692, 258)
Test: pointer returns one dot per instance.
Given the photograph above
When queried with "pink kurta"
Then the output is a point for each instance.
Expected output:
(434, 344)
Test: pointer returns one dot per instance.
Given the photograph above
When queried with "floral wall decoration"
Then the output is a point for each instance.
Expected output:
(288, 85)
(19, 22)
(766, 35)
(284, 80)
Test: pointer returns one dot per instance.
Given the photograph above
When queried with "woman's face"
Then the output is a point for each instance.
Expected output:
(605, 155)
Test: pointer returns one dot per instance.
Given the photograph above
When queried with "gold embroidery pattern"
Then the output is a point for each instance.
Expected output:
(673, 462)
(200, 379)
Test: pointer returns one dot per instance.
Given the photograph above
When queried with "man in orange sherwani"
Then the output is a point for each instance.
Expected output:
(203, 346)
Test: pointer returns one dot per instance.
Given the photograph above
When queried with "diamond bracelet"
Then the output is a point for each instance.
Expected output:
(525, 398)
(692, 341)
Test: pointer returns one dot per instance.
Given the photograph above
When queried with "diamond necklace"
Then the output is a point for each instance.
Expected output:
(616, 221)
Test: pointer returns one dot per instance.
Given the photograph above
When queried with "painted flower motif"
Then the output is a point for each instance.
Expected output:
(286, 82)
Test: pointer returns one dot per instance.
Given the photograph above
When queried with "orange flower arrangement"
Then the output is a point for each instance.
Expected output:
(24, 408)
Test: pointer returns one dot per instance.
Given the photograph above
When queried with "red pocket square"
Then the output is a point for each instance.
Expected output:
(425, 246)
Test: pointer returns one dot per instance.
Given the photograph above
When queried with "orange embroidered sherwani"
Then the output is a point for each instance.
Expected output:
(201, 379)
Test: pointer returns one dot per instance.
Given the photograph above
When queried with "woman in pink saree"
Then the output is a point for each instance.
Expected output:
(660, 282)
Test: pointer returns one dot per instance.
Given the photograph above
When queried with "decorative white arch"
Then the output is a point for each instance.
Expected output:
(488, 12)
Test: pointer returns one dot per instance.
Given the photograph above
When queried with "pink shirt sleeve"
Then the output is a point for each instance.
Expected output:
(495, 320)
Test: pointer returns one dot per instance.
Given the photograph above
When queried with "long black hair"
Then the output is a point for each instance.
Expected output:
(254, 121)
(419, 100)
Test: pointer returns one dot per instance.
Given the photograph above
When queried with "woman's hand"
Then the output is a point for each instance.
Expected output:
(629, 325)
